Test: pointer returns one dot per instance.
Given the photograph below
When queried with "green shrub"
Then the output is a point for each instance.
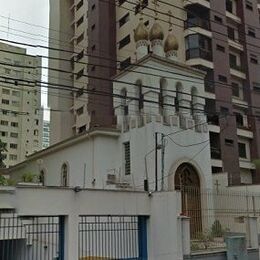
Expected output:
(29, 177)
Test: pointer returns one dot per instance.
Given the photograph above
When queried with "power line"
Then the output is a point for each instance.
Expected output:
(118, 81)
(220, 84)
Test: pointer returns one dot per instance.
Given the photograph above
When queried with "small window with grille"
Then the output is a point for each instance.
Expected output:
(127, 158)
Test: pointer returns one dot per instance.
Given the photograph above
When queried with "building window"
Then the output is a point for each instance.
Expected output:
(229, 142)
(127, 158)
(125, 63)
(121, 2)
(14, 135)
(124, 19)
(36, 132)
(251, 32)
(146, 23)
(229, 6)
(6, 91)
(235, 89)
(222, 78)
(231, 33)
(5, 134)
(93, 27)
(14, 124)
(218, 19)
(12, 157)
(249, 5)
(80, 74)
(239, 119)
(79, 5)
(80, 111)
(13, 146)
(80, 38)
(16, 93)
(253, 59)
(5, 101)
(93, 7)
(198, 46)
(224, 111)
(64, 175)
(256, 87)
(242, 150)
(220, 48)
(3, 122)
(124, 41)
(80, 21)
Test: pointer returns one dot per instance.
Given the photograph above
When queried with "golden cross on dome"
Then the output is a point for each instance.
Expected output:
(156, 5)
(170, 20)
(141, 3)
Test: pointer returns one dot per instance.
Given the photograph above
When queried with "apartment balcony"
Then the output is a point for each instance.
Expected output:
(236, 45)
(199, 56)
(197, 22)
(237, 71)
(233, 17)
(245, 132)
(246, 164)
(205, 3)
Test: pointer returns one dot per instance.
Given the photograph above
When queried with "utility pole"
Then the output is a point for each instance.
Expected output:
(162, 161)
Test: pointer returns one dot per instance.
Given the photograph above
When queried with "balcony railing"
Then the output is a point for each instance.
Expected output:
(198, 53)
(236, 67)
(197, 22)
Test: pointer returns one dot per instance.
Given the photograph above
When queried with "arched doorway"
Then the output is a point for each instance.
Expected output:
(187, 181)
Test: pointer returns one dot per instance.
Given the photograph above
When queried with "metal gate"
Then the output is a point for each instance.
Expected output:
(112, 237)
(31, 238)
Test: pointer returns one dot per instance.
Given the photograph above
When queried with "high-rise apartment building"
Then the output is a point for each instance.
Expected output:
(220, 37)
(20, 104)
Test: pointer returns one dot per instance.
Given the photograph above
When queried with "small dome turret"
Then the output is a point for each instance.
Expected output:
(141, 32)
(156, 32)
(171, 42)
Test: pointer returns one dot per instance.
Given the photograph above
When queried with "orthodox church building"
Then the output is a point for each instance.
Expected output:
(160, 141)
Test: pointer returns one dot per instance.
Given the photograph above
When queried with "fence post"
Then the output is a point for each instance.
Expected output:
(251, 232)
(185, 235)
(71, 237)
(236, 248)
(61, 237)
(142, 237)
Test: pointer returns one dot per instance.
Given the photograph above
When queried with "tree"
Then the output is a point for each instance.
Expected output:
(2, 154)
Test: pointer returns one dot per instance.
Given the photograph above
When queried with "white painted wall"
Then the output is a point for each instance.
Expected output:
(163, 209)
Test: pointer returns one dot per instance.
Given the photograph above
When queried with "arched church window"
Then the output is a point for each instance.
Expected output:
(194, 97)
(178, 97)
(64, 175)
(42, 177)
(163, 83)
(140, 95)
(124, 101)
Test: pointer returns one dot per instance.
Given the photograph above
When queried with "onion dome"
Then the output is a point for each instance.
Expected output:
(156, 32)
(171, 43)
(141, 32)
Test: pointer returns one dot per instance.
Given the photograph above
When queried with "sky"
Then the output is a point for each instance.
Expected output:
(27, 21)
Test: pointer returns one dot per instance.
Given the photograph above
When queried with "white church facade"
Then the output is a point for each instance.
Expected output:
(158, 147)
